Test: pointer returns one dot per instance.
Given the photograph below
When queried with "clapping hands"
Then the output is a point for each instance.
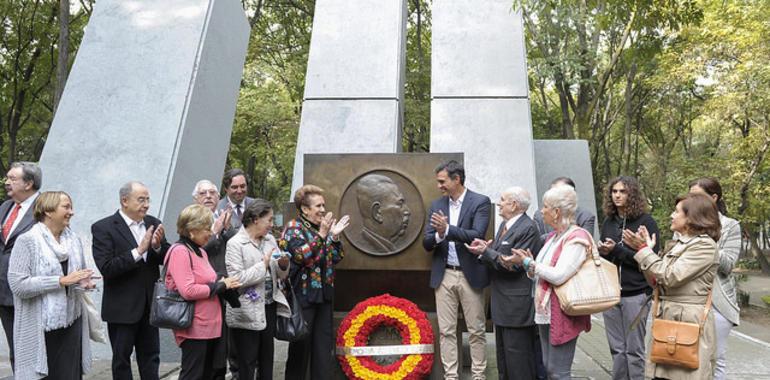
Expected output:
(478, 246)
(516, 258)
(332, 226)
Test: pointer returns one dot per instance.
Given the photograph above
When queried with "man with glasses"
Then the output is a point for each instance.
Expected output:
(236, 188)
(128, 248)
(22, 185)
(206, 194)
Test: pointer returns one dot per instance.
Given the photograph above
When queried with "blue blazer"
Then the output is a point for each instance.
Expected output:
(472, 224)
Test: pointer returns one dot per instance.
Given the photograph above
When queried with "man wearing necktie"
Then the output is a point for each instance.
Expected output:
(22, 185)
(128, 248)
(456, 275)
(236, 188)
(513, 310)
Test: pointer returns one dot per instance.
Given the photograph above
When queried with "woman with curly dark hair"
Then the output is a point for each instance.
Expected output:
(625, 210)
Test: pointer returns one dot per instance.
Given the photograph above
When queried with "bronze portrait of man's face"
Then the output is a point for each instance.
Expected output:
(384, 211)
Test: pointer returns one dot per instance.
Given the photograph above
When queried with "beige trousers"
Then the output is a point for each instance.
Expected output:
(454, 291)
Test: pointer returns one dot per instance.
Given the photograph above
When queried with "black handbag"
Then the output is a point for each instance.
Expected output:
(169, 310)
(293, 328)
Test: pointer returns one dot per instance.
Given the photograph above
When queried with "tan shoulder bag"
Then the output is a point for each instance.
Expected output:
(593, 289)
(674, 342)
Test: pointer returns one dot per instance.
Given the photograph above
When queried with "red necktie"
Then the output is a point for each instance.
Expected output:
(9, 223)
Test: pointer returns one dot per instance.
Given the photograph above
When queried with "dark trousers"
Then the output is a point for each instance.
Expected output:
(64, 352)
(6, 316)
(198, 359)
(515, 353)
(232, 354)
(142, 336)
(255, 348)
(315, 350)
(219, 358)
(538, 356)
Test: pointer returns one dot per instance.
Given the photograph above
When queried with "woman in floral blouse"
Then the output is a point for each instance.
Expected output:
(313, 242)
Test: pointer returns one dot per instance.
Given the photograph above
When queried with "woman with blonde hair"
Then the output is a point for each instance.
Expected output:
(190, 274)
(47, 275)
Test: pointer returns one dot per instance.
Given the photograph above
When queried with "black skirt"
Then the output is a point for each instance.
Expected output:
(64, 349)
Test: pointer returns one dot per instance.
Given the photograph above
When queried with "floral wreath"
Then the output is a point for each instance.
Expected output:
(414, 328)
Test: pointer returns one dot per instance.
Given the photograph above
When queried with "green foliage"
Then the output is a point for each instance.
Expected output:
(664, 90)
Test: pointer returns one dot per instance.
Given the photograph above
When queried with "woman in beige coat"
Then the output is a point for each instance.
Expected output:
(253, 257)
(684, 276)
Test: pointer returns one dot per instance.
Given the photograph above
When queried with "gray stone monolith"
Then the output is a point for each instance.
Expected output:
(480, 96)
(355, 80)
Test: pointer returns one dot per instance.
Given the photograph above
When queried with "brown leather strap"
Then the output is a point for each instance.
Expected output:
(705, 310)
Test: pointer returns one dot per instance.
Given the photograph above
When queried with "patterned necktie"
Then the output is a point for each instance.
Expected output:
(9, 223)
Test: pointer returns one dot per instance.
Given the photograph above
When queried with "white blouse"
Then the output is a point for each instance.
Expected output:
(570, 260)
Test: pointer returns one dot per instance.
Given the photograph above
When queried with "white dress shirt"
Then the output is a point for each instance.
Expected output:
(138, 229)
(454, 216)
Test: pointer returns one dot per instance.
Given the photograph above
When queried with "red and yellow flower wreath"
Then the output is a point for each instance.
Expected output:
(385, 310)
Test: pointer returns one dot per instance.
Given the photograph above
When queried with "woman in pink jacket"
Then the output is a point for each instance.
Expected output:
(190, 274)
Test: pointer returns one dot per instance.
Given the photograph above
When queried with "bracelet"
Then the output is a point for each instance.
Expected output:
(526, 263)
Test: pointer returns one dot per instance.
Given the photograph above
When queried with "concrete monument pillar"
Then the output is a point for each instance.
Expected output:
(355, 80)
(480, 95)
(151, 97)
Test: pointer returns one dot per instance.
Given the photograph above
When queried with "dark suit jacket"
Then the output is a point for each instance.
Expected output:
(128, 284)
(583, 218)
(26, 222)
(512, 304)
(472, 224)
(235, 221)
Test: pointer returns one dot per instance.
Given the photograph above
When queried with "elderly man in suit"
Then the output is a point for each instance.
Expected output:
(128, 248)
(206, 194)
(458, 277)
(512, 307)
(22, 186)
(583, 218)
(236, 188)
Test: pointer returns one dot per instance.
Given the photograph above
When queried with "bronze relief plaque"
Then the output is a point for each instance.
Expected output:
(387, 212)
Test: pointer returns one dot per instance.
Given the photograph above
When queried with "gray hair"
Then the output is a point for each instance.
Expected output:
(128, 188)
(563, 198)
(201, 183)
(519, 195)
(30, 172)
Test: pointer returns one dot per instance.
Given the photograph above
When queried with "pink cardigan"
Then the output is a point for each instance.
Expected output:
(192, 284)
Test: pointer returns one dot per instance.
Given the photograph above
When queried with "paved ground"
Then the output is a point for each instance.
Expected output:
(748, 353)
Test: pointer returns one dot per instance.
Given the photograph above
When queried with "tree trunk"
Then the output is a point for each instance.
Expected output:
(755, 249)
(62, 60)
(629, 108)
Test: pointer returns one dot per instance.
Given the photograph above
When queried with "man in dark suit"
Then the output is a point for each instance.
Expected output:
(457, 276)
(583, 218)
(513, 309)
(236, 188)
(128, 248)
(22, 185)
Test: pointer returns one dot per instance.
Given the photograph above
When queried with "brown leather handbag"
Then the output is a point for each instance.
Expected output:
(676, 343)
